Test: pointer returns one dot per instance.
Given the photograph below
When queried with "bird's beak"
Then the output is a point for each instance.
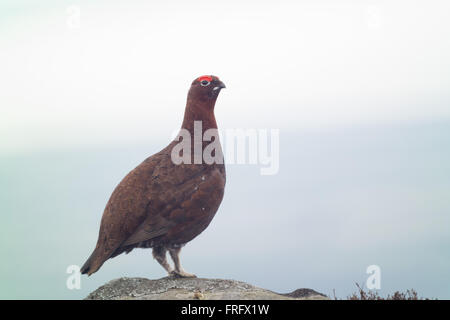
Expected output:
(219, 85)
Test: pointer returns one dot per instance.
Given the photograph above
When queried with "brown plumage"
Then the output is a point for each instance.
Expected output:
(163, 205)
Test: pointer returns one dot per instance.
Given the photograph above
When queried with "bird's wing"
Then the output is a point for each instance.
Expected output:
(172, 186)
(125, 212)
(148, 230)
(143, 206)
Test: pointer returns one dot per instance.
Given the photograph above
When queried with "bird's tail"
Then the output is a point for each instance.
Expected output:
(92, 264)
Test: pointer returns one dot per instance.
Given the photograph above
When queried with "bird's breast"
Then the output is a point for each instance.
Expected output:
(200, 199)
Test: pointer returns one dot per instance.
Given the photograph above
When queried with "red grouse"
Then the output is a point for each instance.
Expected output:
(164, 203)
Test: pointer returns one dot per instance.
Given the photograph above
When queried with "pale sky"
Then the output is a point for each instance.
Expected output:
(121, 72)
(359, 91)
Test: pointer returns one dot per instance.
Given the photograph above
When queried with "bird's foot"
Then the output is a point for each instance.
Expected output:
(181, 274)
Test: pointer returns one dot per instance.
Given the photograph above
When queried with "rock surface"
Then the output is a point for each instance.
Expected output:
(192, 288)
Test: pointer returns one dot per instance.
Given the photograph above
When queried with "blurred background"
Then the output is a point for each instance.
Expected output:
(358, 89)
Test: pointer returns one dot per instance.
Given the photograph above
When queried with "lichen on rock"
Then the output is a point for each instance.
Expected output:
(170, 288)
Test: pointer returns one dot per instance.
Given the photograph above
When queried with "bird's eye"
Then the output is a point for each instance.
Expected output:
(205, 83)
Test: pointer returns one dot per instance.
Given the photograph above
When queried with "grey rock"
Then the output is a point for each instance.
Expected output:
(170, 288)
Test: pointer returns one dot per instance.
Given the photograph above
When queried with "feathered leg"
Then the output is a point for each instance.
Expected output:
(179, 272)
(159, 253)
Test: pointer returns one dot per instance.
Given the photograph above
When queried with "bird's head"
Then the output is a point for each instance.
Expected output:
(206, 88)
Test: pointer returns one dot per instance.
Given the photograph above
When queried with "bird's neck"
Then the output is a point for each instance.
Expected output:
(199, 111)
(198, 118)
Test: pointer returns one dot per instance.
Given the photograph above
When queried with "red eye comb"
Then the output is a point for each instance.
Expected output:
(207, 78)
